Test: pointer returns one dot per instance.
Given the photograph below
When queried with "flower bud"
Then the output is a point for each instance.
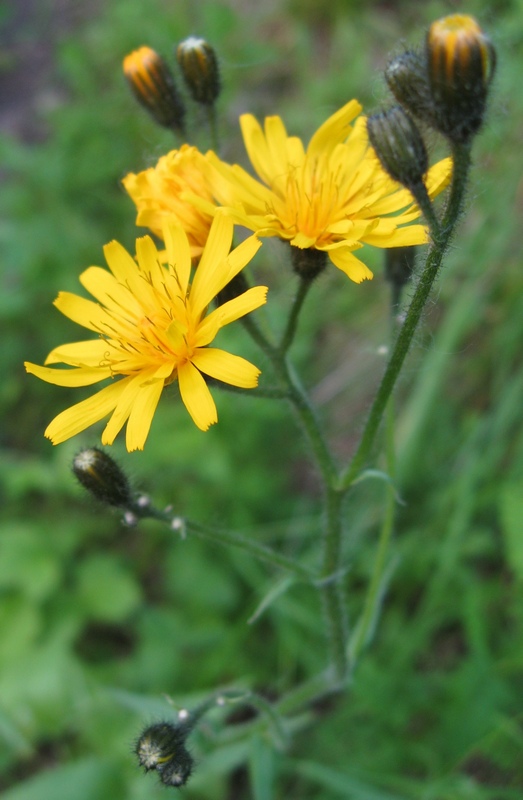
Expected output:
(406, 76)
(199, 67)
(152, 83)
(162, 747)
(399, 146)
(460, 61)
(100, 475)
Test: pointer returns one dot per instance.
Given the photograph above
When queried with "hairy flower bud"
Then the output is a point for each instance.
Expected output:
(100, 475)
(460, 61)
(406, 76)
(199, 67)
(399, 146)
(162, 747)
(152, 83)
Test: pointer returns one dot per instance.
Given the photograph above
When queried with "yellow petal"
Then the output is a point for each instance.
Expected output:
(243, 304)
(196, 396)
(83, 376)
(226, 367)
(142, 414)
(91, 353)
(126, 400)
(209, 278)
(84, 312)
(350, 265)
(178, 252)
(82, 415)
(276, 137)
(334, 130)
(400, 237)
(124, 267)
(256, 147)
(241, 255)
(108, 291)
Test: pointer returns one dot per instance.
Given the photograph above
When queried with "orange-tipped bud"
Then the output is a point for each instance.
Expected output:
(460, 61)
(152, 83)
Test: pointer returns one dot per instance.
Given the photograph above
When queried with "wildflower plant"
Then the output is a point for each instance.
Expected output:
(360, 181)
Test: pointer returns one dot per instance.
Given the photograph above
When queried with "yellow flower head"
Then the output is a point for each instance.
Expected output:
(154, 328)
(334, 196)
(160, 191)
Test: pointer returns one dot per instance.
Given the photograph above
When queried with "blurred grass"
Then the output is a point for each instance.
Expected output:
(97, 621)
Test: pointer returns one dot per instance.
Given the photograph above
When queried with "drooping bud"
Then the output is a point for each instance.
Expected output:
(406, 76)
(461, 61)
(100, 475)
(153, 85)
(199, 67)
(162, 747)
(399, 146)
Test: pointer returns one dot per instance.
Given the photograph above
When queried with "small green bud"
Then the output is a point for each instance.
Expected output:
(406, 76)
(152, 83)
(399, 146)
(461, 61)
(199, 67)
(100, 475)
(162, 747)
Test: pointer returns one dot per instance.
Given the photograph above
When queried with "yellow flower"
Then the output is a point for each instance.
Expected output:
(333, 197)
(153, 328)
(159, 192)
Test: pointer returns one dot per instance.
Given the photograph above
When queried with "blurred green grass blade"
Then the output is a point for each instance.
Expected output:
(261, 768)
(89, 779)
(341, 783)
(511, 512)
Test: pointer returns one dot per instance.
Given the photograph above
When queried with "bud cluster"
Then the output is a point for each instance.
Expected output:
(447, 85)
(153, 83)
(161, 747)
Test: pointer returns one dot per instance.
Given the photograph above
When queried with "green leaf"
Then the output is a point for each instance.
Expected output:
(261, 768)
(89, 779)
(342, 783)
(511, 511)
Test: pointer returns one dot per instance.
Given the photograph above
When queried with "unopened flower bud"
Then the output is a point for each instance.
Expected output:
(100, 475)
(152, 83)
(461, 61)
(199, 67)
(162, 747)
(399, 146)
(406, 76)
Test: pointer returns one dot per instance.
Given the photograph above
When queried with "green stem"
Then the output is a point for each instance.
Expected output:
(254, 548)
(375, 591)
(213, 126)
(292, 322)
(223, 537)
(441, 238)
(332, 584)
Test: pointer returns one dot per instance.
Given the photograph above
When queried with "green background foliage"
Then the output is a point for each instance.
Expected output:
(99, 622)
